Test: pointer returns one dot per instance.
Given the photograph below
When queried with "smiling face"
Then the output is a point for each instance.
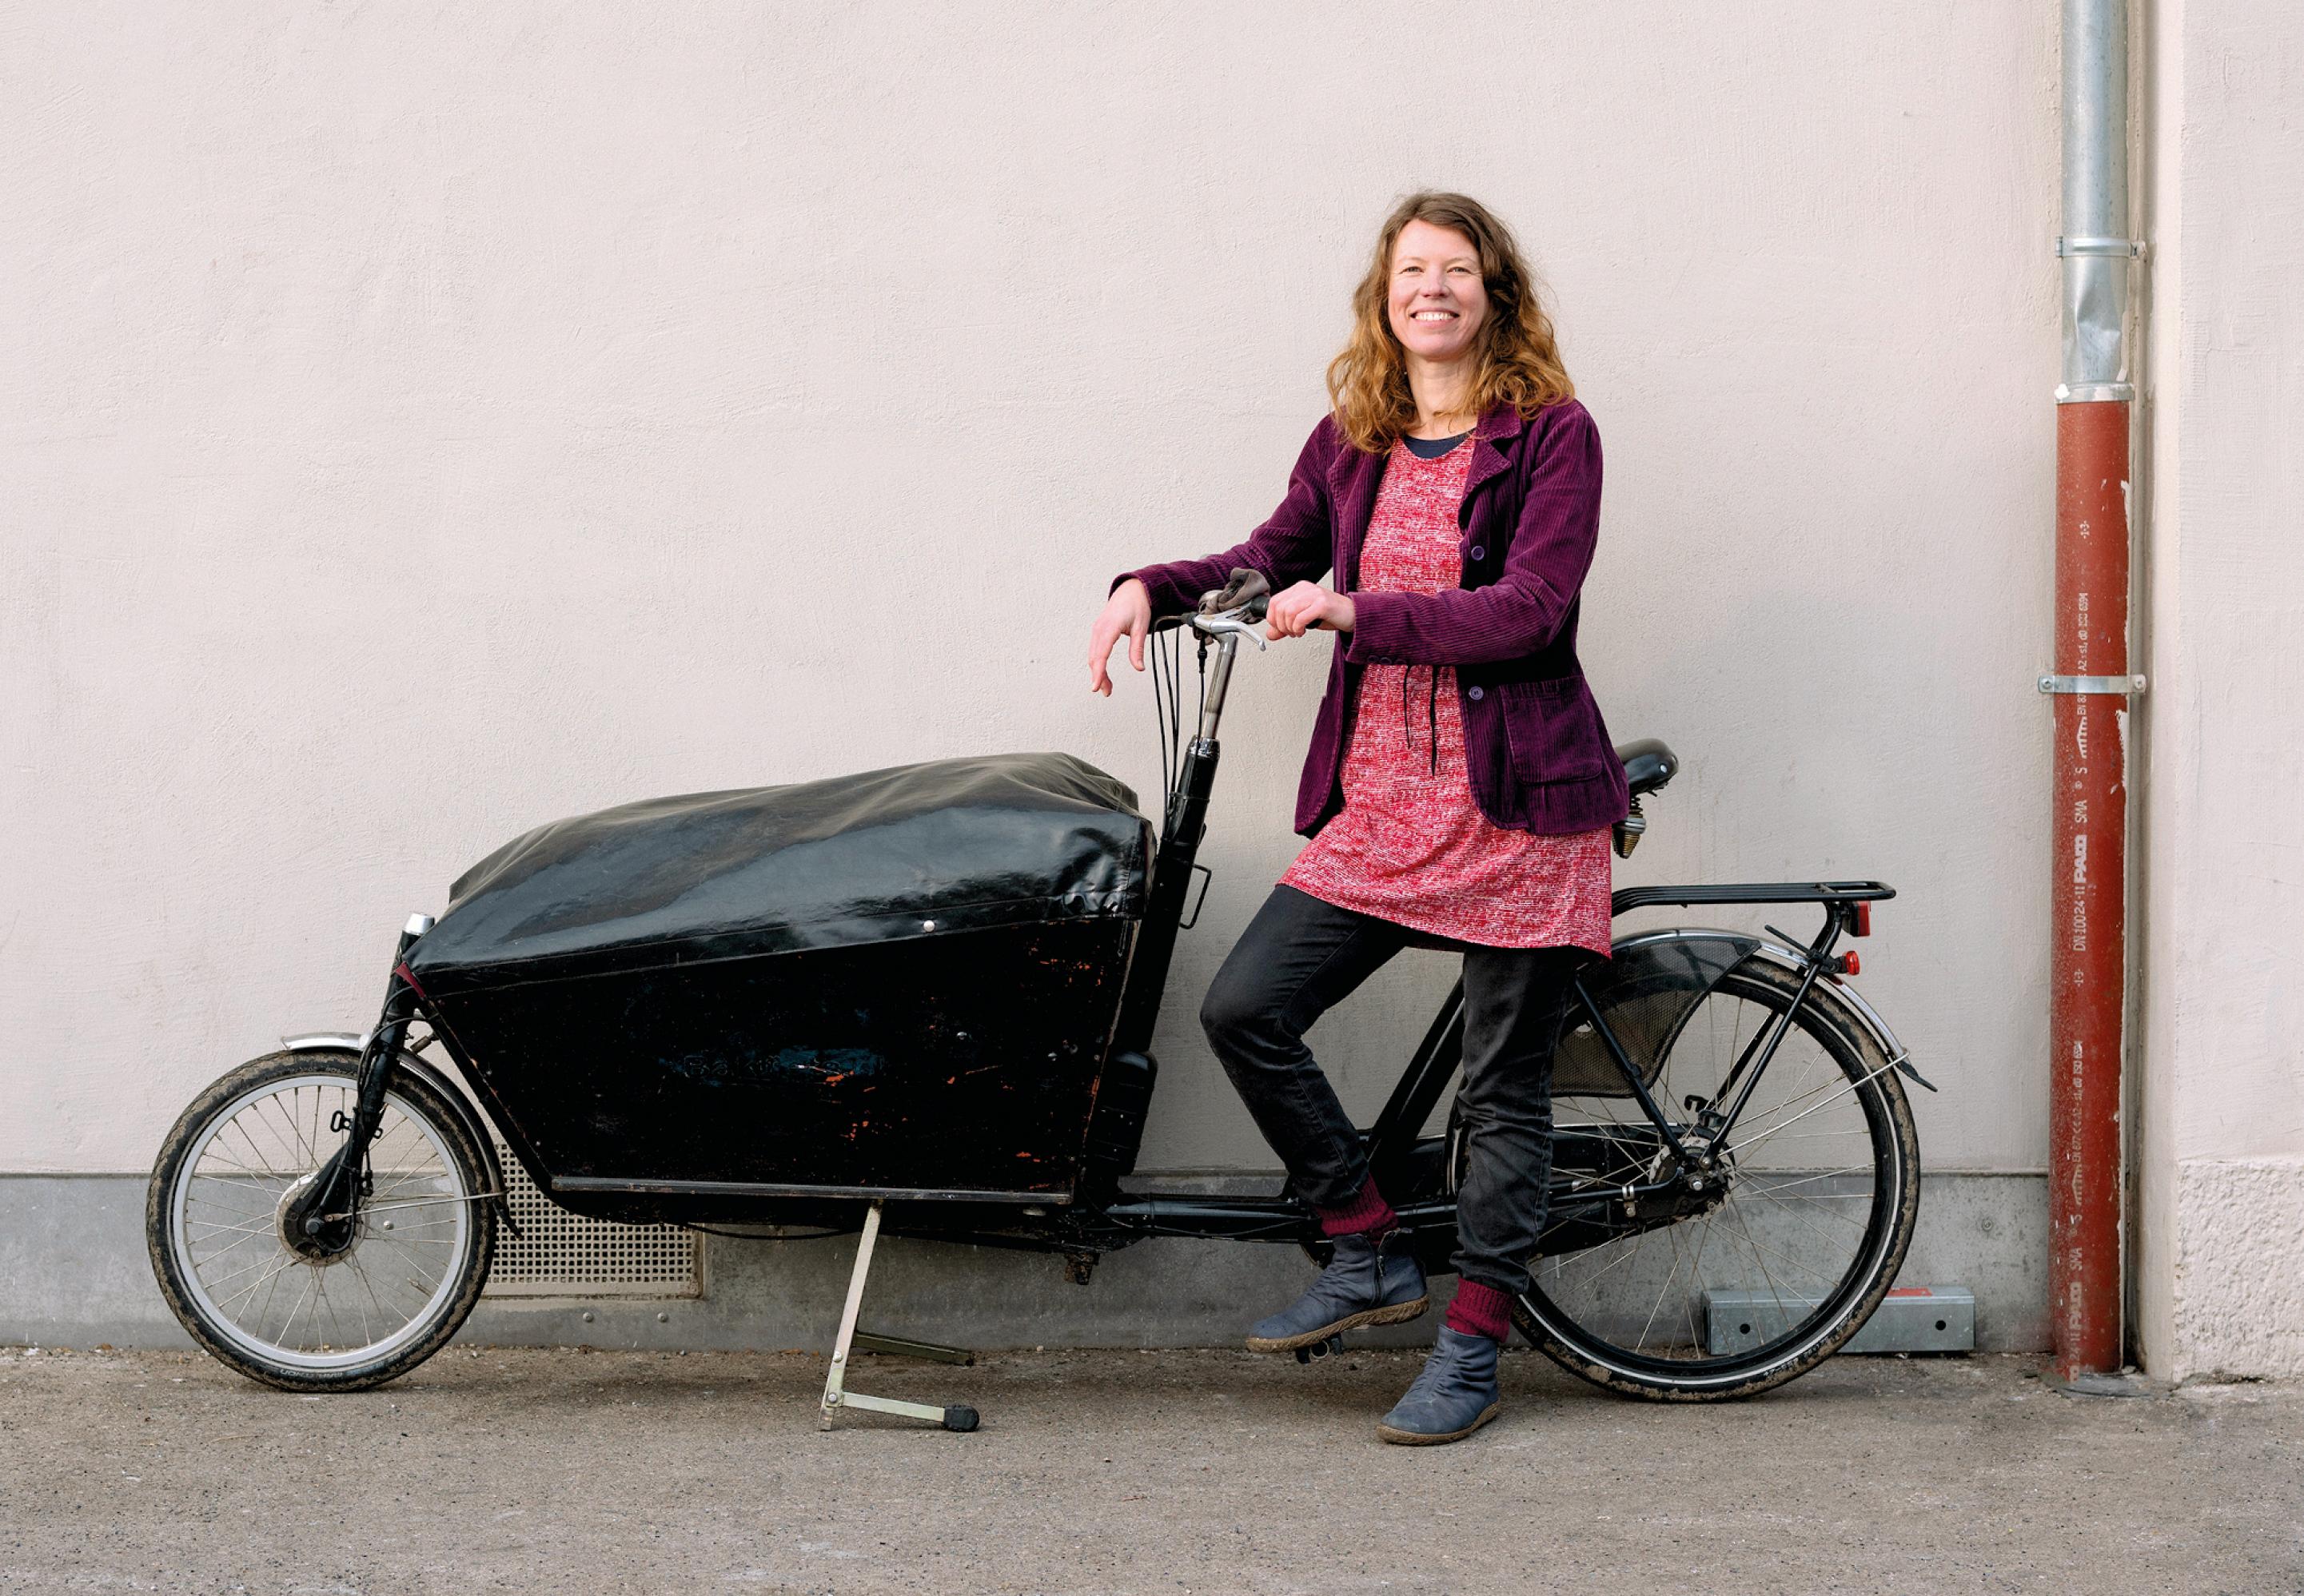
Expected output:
(1437, 300)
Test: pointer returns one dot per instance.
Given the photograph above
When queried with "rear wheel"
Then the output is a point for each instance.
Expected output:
(371, 1297)
(1793, 1252)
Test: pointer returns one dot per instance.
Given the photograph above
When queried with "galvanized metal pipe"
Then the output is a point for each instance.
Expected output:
(2091, 688)
(2096, 249)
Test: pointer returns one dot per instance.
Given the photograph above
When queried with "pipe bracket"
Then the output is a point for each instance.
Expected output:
(2122, 686)
(2129, 248)
(2096, 393)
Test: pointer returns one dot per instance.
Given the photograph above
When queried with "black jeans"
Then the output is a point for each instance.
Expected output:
(1301, 957)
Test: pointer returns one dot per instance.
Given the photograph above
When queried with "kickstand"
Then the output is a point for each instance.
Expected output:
(962, 1419)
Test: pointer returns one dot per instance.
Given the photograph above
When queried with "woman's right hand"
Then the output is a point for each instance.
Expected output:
(1127, 613)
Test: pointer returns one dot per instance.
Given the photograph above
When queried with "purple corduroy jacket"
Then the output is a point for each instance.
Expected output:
(1535, 750)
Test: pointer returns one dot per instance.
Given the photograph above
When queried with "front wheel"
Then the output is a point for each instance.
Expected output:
(347, 1310)
(1803, 1235)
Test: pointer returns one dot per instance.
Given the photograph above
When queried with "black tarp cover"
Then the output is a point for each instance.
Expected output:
(968, 843)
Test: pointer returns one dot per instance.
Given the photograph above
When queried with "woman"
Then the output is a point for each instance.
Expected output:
(1461, 785)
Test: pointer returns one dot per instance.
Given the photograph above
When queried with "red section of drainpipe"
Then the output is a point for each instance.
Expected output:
(2089, 963)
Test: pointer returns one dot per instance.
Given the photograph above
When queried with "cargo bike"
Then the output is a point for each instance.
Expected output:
(925, 997)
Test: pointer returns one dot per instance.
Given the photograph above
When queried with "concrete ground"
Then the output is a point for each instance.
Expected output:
(1111, 1472)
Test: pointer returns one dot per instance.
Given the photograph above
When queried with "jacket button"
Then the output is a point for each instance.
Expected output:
(1474, 695)
(1479, 552)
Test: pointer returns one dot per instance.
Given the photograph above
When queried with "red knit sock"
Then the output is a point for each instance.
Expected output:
(1480, 1311)
(1367, 1212)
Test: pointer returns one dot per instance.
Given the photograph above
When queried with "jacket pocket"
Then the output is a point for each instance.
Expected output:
(1553, 731)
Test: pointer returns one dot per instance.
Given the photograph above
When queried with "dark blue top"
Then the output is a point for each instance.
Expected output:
(1432, 448)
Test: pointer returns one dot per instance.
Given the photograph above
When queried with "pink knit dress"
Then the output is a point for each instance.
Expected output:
(1410, 845)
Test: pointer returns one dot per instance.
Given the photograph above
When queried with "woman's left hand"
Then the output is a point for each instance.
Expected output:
(1298, 610)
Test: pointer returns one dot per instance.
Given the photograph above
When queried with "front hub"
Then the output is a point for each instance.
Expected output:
(306, 1232)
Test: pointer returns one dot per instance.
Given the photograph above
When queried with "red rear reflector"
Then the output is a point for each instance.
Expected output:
(1863, 922)
(1846, 963)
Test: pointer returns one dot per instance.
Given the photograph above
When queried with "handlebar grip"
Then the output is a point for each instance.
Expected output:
(1246, 590)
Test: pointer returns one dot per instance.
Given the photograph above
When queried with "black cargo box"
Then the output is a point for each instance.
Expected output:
(901, 984)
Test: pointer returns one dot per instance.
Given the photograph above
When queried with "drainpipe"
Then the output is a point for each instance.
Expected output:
(2090, 687)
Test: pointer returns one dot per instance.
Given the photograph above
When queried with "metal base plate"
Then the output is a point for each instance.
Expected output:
(1911, 1319)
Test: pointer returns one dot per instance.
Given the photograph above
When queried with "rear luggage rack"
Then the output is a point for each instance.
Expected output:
(1787, 892)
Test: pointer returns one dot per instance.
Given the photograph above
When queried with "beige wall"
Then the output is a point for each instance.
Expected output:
(415, 429)
(2221, 1154)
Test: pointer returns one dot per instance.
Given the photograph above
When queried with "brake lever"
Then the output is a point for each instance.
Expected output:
(1229, 620)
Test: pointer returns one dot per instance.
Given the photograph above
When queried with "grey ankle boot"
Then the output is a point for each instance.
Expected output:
(1455, 1396)
(1367, 1282)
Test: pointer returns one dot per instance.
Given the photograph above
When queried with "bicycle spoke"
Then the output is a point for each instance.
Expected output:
(1672, 1234)
(223, 1180)
(328, 1303)
(1762, 1252)
(284, 1260)
(1838, 1174)
(1625, 1241)
(360, 1272)
(295, 1308)
(240, 1125)
(295, 1132)
(425, 1203)
(1806, 1217)
(368, 1332)
(217, 1155)
(1851, 1087)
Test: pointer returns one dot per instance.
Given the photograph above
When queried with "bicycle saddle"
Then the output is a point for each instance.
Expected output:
(1648, 764)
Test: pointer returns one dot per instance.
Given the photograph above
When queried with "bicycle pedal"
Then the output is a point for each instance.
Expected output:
(1327, 1349)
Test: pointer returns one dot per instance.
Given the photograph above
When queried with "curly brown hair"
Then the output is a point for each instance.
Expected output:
(1518, 355)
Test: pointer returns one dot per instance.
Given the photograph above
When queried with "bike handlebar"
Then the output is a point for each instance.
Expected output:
(1244, 621)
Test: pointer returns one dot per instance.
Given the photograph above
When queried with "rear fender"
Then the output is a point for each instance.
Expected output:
(1794, 959)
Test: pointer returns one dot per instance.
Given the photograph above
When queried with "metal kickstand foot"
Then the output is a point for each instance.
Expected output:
(961, 1419)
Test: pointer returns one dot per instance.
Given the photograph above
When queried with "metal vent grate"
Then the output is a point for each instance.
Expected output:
(559, 1254)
